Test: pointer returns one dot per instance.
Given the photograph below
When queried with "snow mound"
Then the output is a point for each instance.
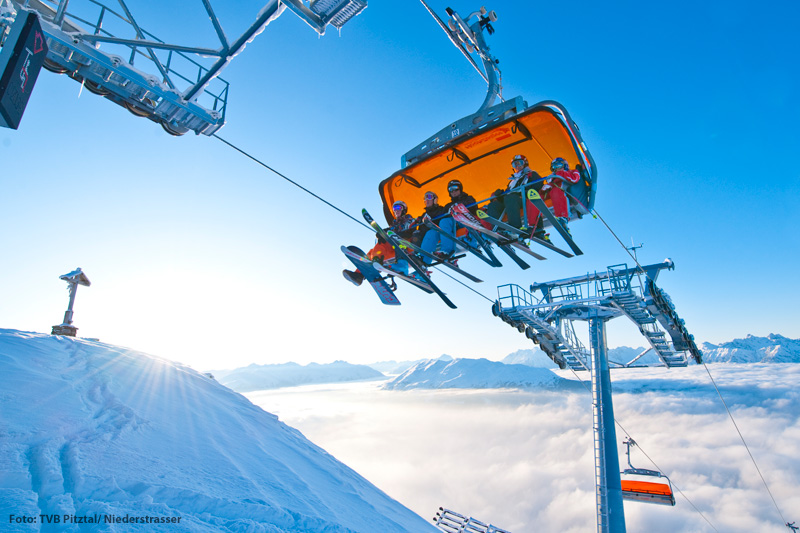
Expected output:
(474, 374)
(770, 349)
(92, 430)
(262, 377)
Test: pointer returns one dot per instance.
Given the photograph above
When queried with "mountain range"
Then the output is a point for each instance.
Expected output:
(482, 373)
(752, 349)
(263, 377)
(475, 374)
(393, 368)
(770, 349)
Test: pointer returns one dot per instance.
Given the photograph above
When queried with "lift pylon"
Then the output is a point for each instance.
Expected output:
(547, 319)
(175, 85)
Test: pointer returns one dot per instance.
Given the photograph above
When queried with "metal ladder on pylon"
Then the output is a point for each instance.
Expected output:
(634, 308)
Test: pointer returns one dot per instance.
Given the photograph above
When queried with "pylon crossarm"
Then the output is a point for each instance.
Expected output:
(618, 291)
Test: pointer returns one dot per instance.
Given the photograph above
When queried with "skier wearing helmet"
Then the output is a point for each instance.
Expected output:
(457, 196)
(403, 225)
(553, 188)
(511, 202)
(431, 240)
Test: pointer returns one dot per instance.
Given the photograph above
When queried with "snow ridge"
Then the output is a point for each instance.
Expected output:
(770, 349)
(474, 374)
(262, 377)
(90, 428)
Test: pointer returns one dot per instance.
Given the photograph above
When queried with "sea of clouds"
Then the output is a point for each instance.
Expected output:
(523, 459)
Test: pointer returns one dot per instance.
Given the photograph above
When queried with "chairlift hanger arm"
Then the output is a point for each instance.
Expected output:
(470, 38)
(455, 41)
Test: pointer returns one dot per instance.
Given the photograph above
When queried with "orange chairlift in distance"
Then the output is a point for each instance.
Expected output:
(637, 487)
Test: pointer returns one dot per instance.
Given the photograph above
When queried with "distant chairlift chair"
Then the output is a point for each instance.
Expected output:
(635, 488)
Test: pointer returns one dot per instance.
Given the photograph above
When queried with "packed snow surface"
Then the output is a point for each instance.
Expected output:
(89, 430)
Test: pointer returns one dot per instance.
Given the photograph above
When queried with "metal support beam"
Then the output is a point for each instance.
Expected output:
(310, 18)
(269, 13)
(142, 43)
(62, 11)
(217, 26)
(610, 511)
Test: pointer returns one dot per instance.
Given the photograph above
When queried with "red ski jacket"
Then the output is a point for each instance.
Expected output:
(558, 177)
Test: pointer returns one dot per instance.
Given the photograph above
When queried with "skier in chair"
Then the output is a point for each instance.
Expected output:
(553, 189)
(510, 200)
(402, 225)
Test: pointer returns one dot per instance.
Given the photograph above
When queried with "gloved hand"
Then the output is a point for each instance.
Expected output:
(498, 192)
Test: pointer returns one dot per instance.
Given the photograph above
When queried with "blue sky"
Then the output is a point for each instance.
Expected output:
(689, 112)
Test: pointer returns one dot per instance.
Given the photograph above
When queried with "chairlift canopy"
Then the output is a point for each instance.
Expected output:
(481, 159)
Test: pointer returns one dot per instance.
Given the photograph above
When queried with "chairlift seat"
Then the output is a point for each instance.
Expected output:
(648, 492)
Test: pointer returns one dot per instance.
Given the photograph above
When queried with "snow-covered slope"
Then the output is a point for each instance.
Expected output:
(474, 374)
(91, 429)
(261, 377)
(770, 349)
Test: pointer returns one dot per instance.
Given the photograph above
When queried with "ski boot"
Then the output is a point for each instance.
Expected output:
(442, 256)
(417, 276)
(563, 221)
(542, 236)
(354, 277)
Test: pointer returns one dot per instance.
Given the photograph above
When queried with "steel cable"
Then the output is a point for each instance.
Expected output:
(730, 414)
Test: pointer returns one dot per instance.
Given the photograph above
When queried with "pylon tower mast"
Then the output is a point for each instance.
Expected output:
(546, 315)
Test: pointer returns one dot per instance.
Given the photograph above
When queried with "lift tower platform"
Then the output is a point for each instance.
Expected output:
(101, 45)
(546, 315)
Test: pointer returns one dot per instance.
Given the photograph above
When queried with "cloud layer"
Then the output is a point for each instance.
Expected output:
(523, 460)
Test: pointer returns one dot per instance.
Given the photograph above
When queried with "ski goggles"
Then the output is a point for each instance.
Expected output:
(397, 207)
(454, 188)
(431, 196)
(518, 163)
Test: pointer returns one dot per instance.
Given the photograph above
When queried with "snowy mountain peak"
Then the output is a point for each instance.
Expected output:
(473, 374)
(91, 429)
(773, 348)
(261, 377)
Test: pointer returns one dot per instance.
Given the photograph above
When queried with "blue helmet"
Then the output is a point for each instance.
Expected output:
(559, 163)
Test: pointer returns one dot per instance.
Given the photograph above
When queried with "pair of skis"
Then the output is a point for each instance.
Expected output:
(536, 199)
(373, 271)
(478, 231)
(380, 276)
(513, 237)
